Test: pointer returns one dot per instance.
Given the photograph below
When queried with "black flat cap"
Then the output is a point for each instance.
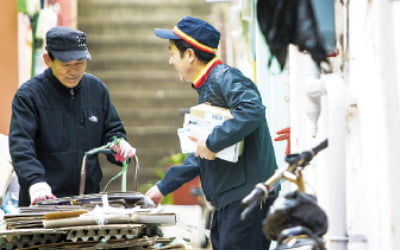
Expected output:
(67, 44)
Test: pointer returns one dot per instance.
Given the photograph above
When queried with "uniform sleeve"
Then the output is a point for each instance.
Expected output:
(243, 99)
(23, 130)
(176, 176)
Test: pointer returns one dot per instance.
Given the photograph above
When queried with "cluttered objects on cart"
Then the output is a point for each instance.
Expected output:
(94, 221)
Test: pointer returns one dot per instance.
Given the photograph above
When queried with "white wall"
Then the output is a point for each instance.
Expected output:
(374, 88)
(356, 179)
(366, 165)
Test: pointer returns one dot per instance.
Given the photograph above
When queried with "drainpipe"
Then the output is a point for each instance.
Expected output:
(306, 91)
(318, 111)
(314, 89)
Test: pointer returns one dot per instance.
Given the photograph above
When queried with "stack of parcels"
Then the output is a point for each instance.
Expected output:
(200, 122)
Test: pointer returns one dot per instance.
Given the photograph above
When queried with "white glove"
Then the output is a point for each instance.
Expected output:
(40, 191)
(124, 150)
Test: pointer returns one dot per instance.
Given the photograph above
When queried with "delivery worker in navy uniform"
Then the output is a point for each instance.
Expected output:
(59, 115)
(193, 46)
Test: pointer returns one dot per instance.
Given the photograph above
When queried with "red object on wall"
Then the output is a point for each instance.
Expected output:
(284, 134)
(184, 196)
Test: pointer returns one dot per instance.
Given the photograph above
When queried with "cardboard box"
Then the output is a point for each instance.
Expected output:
(200, 123)
(211, 113)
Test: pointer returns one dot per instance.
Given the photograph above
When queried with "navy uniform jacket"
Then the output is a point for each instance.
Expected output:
(224, 182)
(52, 126)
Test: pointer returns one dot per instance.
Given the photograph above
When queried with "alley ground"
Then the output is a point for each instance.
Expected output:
(190, 224)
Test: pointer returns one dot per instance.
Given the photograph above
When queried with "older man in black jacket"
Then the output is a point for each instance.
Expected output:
(59, 115)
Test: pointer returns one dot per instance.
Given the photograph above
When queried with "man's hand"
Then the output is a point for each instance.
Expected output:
(154, 194)
(40, 191)
(123, 150)
(202, 150)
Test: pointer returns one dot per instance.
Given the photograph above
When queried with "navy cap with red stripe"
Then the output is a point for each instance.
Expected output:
(194, 31)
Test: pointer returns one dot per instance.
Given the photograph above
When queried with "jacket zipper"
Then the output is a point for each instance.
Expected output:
(72, 93)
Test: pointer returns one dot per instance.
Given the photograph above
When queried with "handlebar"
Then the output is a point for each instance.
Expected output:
(259, 193)
(262, 190)
(105, 151)
(304, 158)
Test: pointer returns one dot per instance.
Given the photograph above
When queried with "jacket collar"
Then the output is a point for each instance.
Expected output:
(203, 74)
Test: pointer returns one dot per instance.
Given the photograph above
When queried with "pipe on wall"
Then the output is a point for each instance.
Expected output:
(318, 111)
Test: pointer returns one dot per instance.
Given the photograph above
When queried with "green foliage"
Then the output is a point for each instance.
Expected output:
(172, 160)
(22, 6)
(28, 7)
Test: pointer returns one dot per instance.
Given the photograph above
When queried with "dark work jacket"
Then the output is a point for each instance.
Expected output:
(52, 126)
(224, 182)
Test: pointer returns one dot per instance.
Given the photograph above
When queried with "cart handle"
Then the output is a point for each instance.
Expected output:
(106, 149)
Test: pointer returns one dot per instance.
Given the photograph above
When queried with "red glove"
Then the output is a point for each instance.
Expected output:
(123, 150)
(284, 135)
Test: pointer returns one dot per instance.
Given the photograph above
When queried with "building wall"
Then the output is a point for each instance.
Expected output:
(9, 60)
(373, 85)
(356, 178)
(15, 51)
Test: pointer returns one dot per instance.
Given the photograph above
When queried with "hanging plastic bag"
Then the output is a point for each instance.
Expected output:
(285, 22)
